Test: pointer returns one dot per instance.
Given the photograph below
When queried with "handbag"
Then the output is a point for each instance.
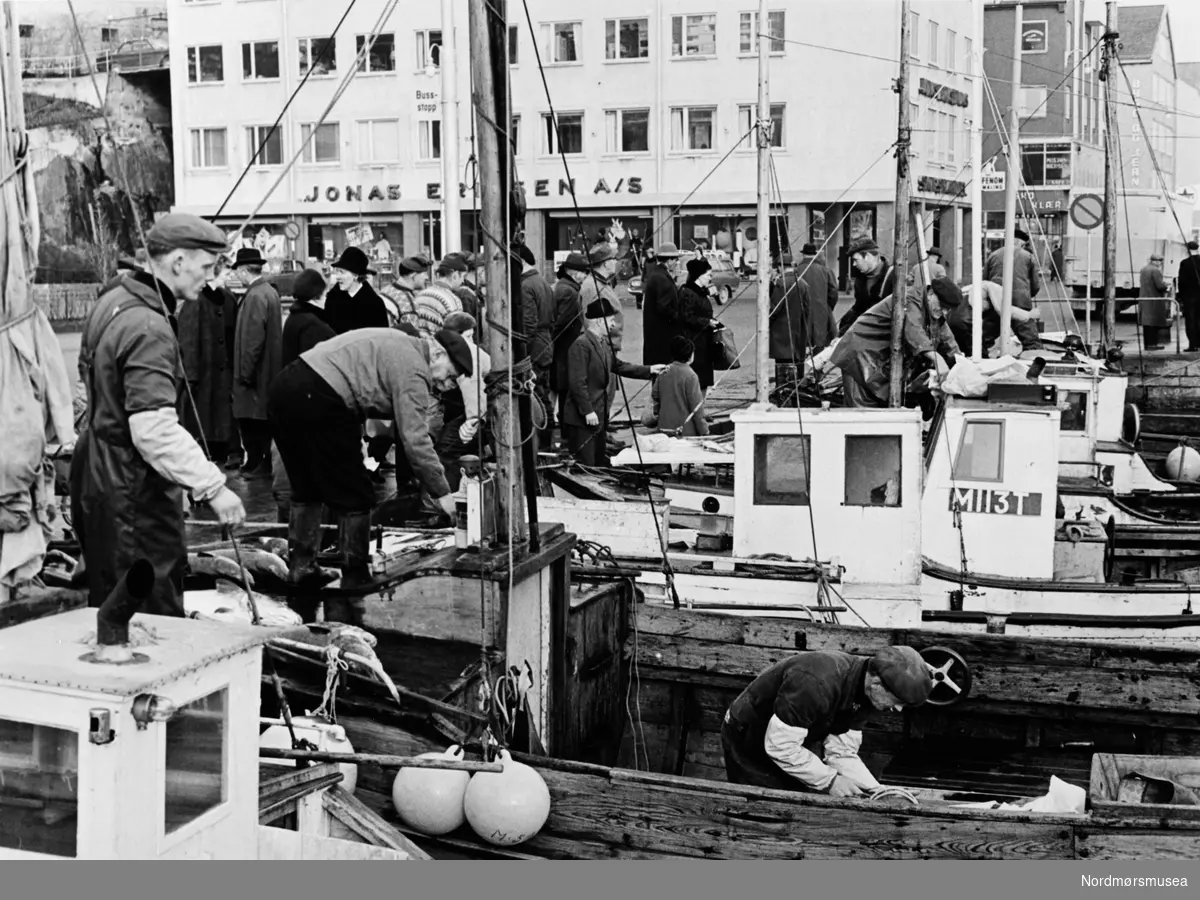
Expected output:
(724, 352)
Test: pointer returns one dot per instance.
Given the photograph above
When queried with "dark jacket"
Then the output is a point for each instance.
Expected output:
(1152, 282)
(960, 317)
(660, 314)
(867, 293)
(304, 329)
(591, 365)
(257, 350)
(820, 279)
(568, 325)
(1189, 278)
(695, 313)
(679, 401)
(365, 309)
(471, 300)
(537, 307)
(1027, 276)
(821, 691)
(801, 320)
(202, 337)
(122, 509)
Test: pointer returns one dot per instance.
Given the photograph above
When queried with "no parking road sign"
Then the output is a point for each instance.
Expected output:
(1087, 211)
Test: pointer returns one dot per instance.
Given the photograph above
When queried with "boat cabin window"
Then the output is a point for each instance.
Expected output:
(873, 470)
(980, 452)
(196, 764)
(781, 469)
(39, 788)
(1074, 416)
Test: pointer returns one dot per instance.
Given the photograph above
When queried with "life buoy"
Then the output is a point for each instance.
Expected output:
(1131, 426)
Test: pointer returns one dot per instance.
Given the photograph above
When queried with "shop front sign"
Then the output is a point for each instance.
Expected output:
(935, 91)
(353, 193)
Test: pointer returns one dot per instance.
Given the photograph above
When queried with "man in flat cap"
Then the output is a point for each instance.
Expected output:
(1188, 292)
(470, 292)
(317, 409)
(816, 703)
(874, 280)
(437, 300)
(568, 319)
(1153, 305)
(135, 459)
(411, 277)
(1027, 282)
(537, 310)
(592, 363)
(601, 281)
(660, 305)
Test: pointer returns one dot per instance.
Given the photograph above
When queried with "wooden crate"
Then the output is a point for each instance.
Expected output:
(1108, 770)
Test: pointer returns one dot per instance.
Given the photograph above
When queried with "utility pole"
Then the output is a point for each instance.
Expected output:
(489, 35)
(448, 63)
(901, 216)
(976, 184)
(1109, 327)
(762, 344)
(1014, 177)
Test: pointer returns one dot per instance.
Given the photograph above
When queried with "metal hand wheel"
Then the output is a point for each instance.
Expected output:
(951, 676)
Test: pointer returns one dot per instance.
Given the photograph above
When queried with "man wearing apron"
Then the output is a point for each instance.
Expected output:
(135, 459)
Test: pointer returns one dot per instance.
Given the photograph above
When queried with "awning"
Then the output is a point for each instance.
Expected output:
(355, 219)
(596, 213)
(730, 211)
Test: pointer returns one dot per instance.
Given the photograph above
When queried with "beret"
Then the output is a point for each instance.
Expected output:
(864, 245)
(697, 267)
(460, 322)
(600, 308)
(457, 349)
(412, 264)
(454, 263)
(308, 285)
(184, 231)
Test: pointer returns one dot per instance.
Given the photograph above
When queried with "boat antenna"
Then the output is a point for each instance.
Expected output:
(903, 203)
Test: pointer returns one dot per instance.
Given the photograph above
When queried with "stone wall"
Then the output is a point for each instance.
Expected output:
(1168, 383)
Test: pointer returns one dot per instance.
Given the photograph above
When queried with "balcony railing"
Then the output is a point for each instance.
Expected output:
(76, 65)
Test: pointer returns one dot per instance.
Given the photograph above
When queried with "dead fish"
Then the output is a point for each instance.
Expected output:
(217, 567)
(276, 545)
(258, 562)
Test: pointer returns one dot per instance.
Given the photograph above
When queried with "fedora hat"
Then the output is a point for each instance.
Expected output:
(354, 261)
(249, 256)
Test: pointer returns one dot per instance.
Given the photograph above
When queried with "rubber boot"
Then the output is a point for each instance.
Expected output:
(304, 536)
(354, 545)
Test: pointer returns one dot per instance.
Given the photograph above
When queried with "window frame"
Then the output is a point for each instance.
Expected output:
(516, 126)
(311, 148)
(762, 496)
(899, 443)
(370, 141)
(754, 30)
(683, 54)
(617, 22)
(306, 43)
(364, 67)
(750, 146)
(687, 121)
(514, 46)
(193, 130)
(548, 38)
(962, 438)
(425, 48)
(170, 837)
(950, 48)
(934, 39)
(255, 78)
(253, 135)
(1085, 406)
(553, 135)
(914, 35)
(429, 127)
(199, 68)
(619, 113)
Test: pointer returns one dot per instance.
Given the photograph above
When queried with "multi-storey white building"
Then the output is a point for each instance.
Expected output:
(650, 96)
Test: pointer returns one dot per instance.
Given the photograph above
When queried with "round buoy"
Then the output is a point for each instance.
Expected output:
(507, 808)
(328, 738)
(1183, 464)
(431, 800)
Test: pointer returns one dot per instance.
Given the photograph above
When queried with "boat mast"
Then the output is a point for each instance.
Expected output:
(1014, 175)
(1109, 327)
(977, 186)
(448, 63)
(762, 386)
(901, 214)
(488, 43)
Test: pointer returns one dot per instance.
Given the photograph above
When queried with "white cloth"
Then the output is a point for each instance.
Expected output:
(474, 393)
(174, 454)
(785, 745)
(841, 754)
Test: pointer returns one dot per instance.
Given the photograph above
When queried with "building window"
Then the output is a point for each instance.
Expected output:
(567, 139)
(429, 49)
(206, 65)
(260, 60)
(1032, 102)
(1046, 165)
(873, 470)
(379, 140)
(627, 130)
(264, 145)
(195, 766)
(627, 39)
(968, 56)
(781, 466)
(749, 31)
(515, 135)
(951, 44)
(25, 31)
(209, 149)
(933, 43)
(108, 35)
(514, 44)
(694, 35)
(325, 146)
(914, 35)
(562, 40)
(320, 54)
(951, 137)
(382, 55)
(693, 127)
(980, 452)
(748, 117)
(429, 139)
